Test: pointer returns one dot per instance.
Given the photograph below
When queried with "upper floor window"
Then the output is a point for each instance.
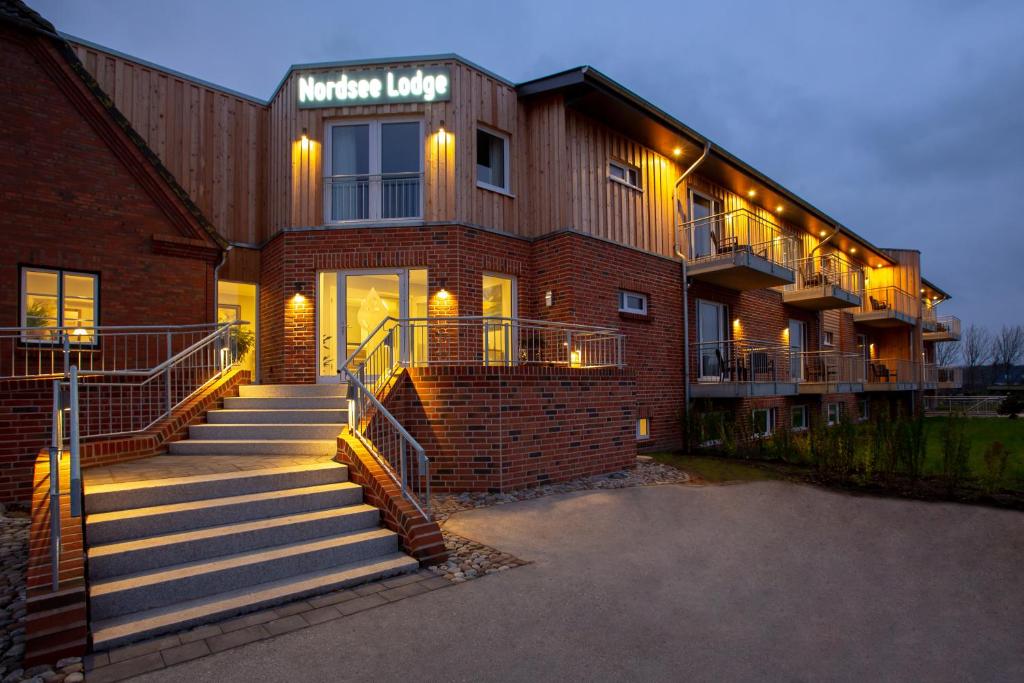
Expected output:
(632, 302)
(492, 160)
(374, 171)
(624, 173)
(53, 298)
(829, 338)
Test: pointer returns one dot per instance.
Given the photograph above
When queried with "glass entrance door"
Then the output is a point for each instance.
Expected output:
(702, 234)
(711, 333)
(797, 345)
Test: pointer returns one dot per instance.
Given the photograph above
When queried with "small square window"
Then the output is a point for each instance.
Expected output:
(643, 429)
(833, 411)
(799, 418)
(764, 421)
(632, 302)
(624, 173)
(829, 338)
(491, 160)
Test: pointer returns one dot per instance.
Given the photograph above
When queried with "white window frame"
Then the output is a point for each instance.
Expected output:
(626, 169)
(799, 410)
(828, 338)
(828, 413)
(642, 422)
(769, 421)
(23, 272)
(506, 154)
(624, 307)
(722, 343)
(374, 171)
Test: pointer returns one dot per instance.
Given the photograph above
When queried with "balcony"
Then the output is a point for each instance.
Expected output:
(825, 282)
(950, 378)
(891, 374)
(940, 328)
(887, 307)
(739, 368)
(829, 372)
(739, 250)
(366, 197)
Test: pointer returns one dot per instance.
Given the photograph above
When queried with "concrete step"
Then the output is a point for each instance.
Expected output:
(191, 580)
(264, 431)
(153, 492)
(278, 416)
(125, 557)
(279, 402)
(121, 525)
(242, 447)
(290, 390)
(122, 630)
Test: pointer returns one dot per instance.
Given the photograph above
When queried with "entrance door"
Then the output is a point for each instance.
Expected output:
(499, 302)
(351, 307)
(711, 333)
(797, 346)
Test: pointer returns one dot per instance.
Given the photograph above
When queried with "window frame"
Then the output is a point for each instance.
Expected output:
(506, 154)
(23, 270)
(828, 413)
(805, 418)
(623, 308)
(864, 408)
(769, 422)
(374, 169)
(627, 169)
(640, 434)
(828, 339)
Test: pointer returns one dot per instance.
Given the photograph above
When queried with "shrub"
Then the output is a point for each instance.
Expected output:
(956, 451)
(834, 449)
(883, 444)
(995, 459)
(911, 443)
(1011, 405)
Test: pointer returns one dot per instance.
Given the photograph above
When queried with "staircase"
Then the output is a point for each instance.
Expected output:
(170, 552)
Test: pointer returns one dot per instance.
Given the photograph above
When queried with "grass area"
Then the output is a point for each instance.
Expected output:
(981, 431)
(717, 470)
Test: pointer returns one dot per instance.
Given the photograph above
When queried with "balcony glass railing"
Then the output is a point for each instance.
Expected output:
(894, 299)
(386, 196)
(725, 234)
(827, 269)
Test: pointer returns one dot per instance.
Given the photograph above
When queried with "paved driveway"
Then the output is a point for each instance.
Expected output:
(765, 581)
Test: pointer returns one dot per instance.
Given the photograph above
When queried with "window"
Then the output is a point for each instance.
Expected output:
(632, 302)
(491, 160)
(799, 418)
(797, 345)
(624, 173)
(829, 338)
(706, 235)
(764, 421)
(865, 410)
(499, 304)
(712, 341)
(832, 413)
(374, 171)
(58, 298)
(643, 429)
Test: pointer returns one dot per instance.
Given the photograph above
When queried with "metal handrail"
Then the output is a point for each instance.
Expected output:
(830, 367)
(363, 196)
(890, 298)
(826, 269)
(729, 232)
(742, 361)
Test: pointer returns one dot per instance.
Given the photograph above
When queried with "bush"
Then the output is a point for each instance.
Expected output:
(834, 449)
(911, 444)
(1011, 405)
(995, 459)
(956, 451)
(883, 453)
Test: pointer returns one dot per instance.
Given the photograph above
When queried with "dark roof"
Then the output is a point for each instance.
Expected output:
(21, 15)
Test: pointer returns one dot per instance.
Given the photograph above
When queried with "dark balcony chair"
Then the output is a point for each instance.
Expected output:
(877, 305)
(811, 278)
(881, 373)
(723, 245)
(820, 371)
(732, 370)
(761, 363)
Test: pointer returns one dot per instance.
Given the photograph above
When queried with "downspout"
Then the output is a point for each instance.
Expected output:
(216, 280)
(676, 211)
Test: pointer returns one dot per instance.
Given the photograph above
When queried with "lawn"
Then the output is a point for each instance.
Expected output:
(717, 470)
(982, 431)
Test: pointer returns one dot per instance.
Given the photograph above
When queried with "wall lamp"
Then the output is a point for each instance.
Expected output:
(299, 296)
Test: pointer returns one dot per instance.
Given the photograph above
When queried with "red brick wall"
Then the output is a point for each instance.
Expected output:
(497, 429)
(67, 201)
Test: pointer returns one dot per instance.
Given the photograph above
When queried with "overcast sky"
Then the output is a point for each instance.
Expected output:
(903, 120)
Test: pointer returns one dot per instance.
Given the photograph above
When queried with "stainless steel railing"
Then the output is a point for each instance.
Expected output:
(950, 377)
(355, 197)
(890, 298)
(892, 371)
(940, 323)
(742, 360)
(711, 237)
(826, 269)
(969, 406)
(828, 367)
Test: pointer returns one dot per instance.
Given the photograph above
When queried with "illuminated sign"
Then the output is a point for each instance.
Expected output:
(381, 86)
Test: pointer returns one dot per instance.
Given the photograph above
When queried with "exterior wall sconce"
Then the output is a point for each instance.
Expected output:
(442, 294)
(299, 297)
(304, 139)
(440, 130)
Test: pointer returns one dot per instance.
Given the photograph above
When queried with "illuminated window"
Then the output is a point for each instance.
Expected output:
(799, 418)
(58, 299)
(643, 429)
(632, 302)
(492, 160)
(832, 413)
(624, 173)
(763, 421)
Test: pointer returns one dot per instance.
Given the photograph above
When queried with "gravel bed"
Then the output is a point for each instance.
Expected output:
(13, 562)
(471, 560)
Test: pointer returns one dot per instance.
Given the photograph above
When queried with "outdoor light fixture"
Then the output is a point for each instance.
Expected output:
(778, 209)
(442, 293)
(821, 234)
(305, 138)
(751, 192)
(440, 130)
(299, 297)
(853, 250)
(549, 298)
(677, 151)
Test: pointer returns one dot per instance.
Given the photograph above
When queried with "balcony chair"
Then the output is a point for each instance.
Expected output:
(881, 373)
(877, 305)
(820, 371)
(725, 245)
(761, 363)
(731, 370)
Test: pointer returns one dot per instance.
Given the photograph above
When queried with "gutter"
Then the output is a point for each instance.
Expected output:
(677, 211)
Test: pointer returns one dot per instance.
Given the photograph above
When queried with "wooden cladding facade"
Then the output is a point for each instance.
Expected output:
(214, 142)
